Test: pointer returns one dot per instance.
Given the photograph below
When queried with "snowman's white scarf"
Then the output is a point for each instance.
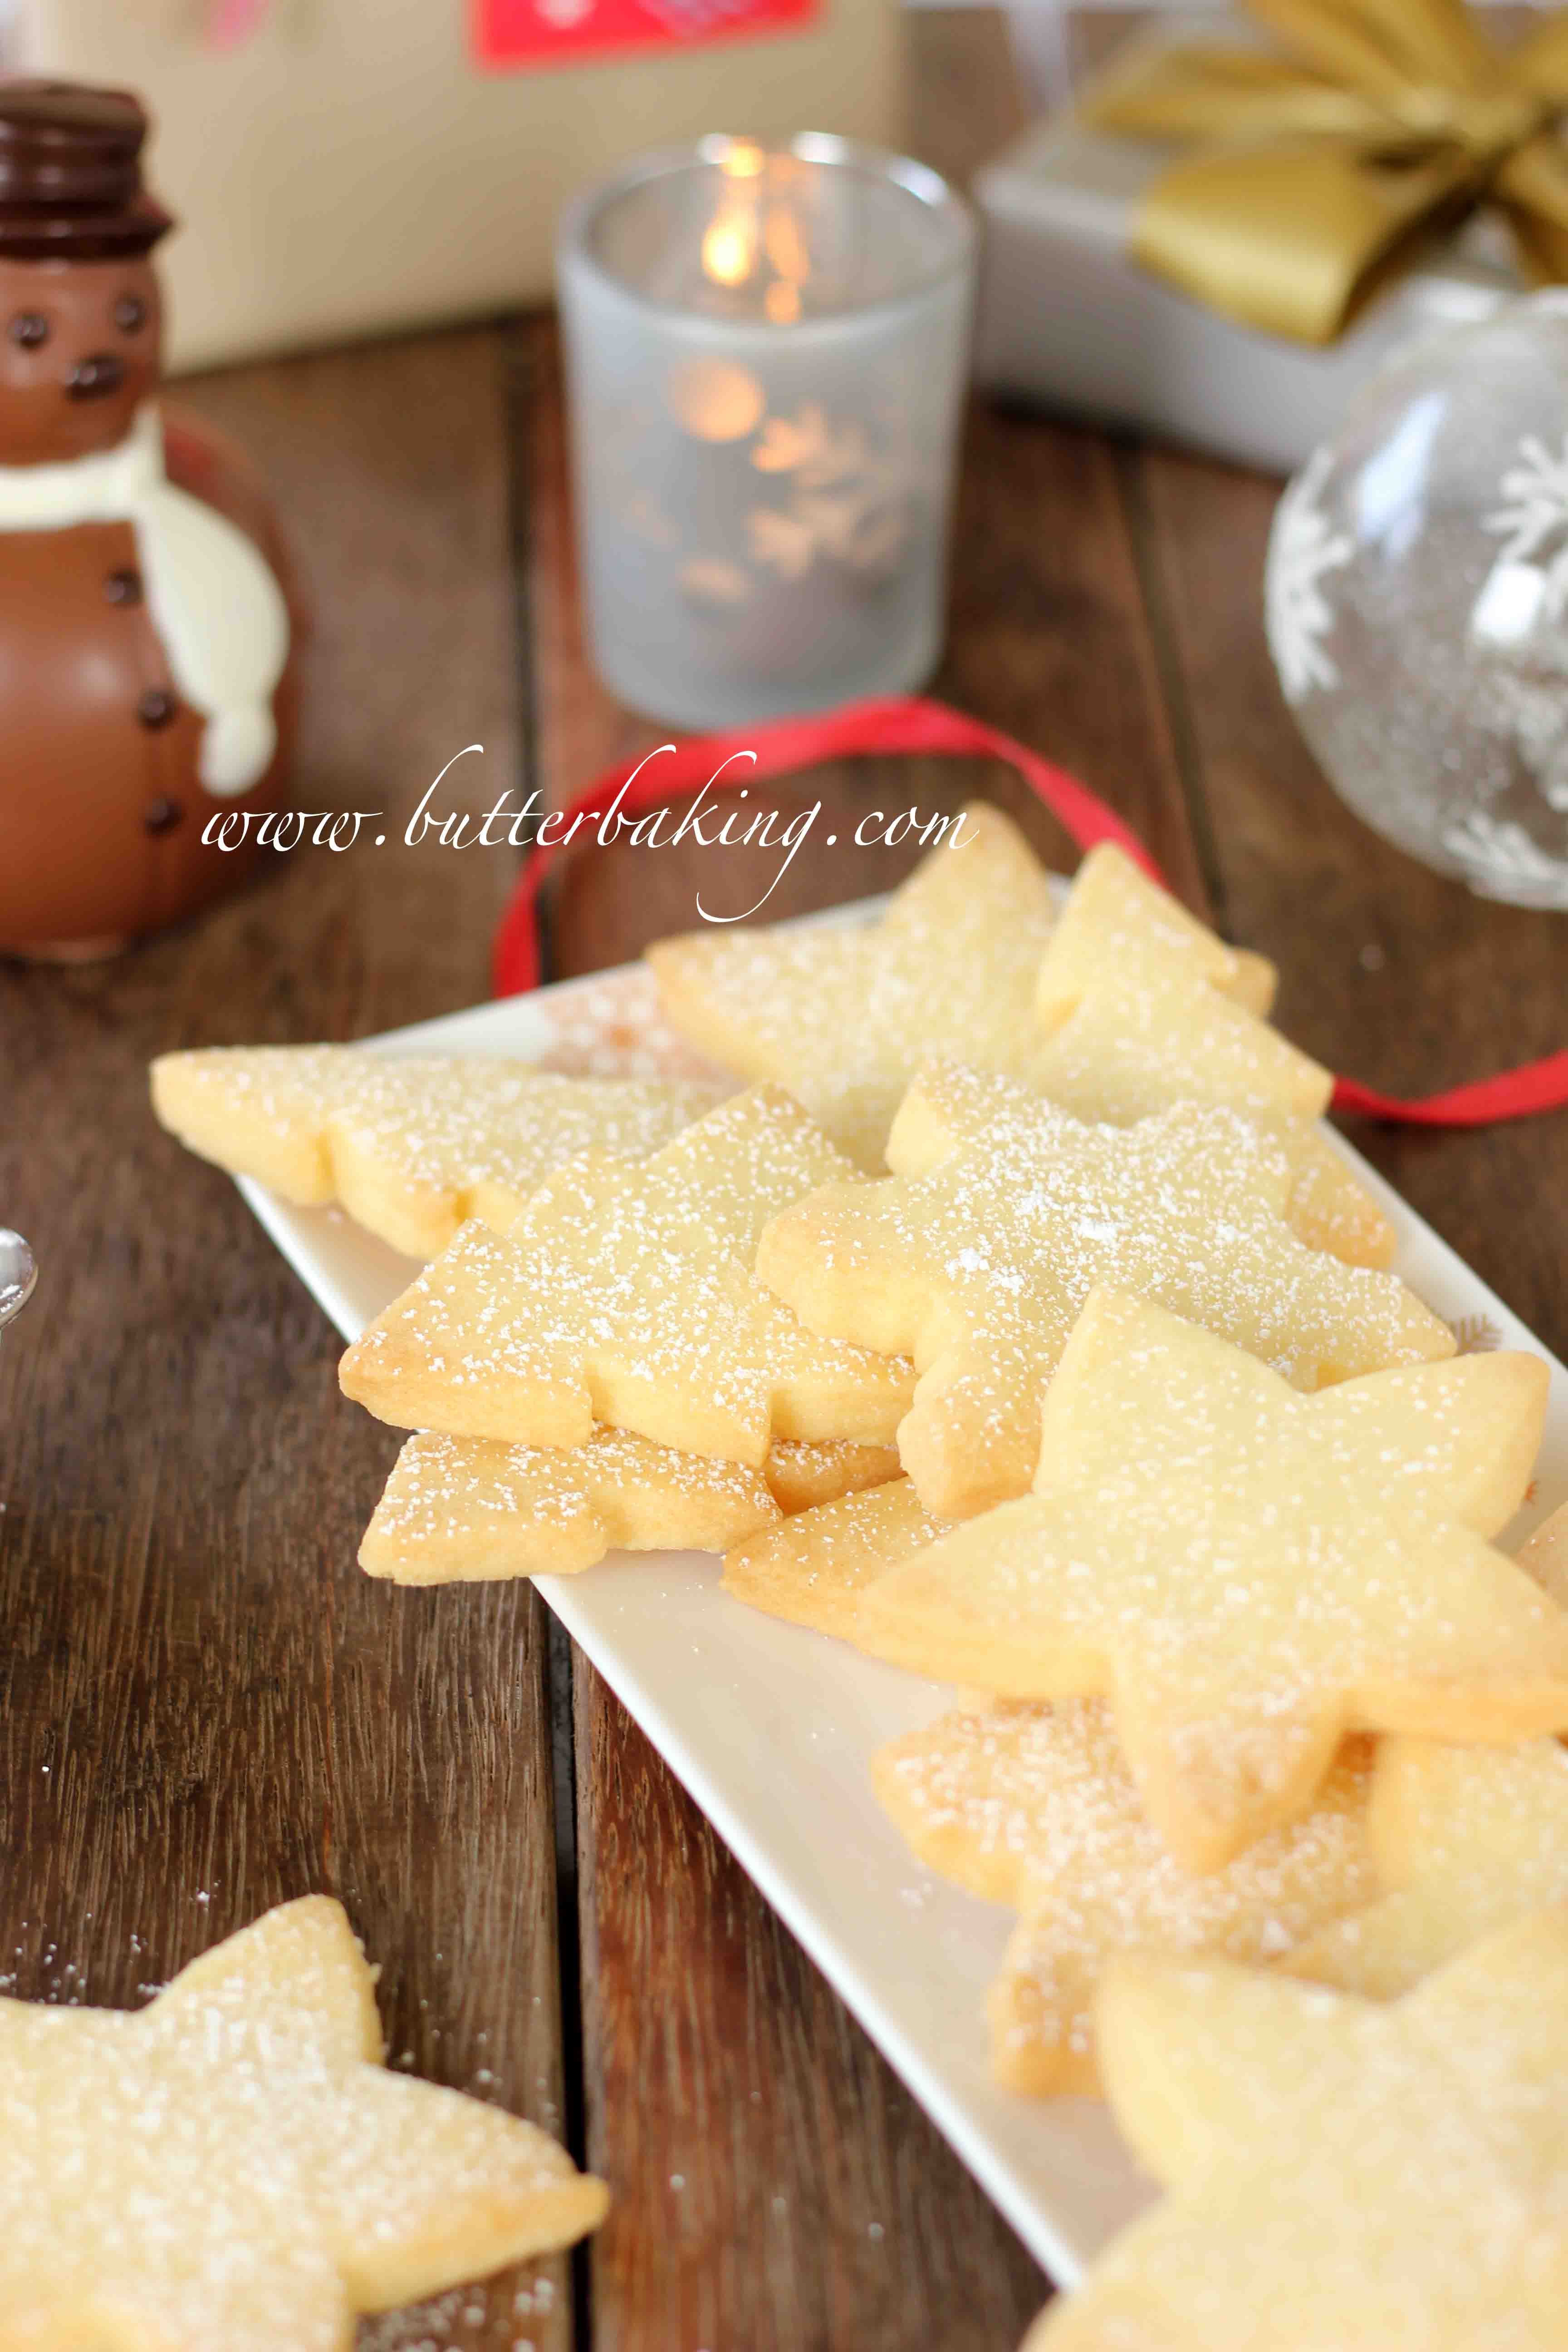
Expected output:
(214, 603)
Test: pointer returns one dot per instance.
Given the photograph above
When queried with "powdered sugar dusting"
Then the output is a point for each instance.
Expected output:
(1034, 1805)
(612, 1025)
(979, 1259)
(625, 1292)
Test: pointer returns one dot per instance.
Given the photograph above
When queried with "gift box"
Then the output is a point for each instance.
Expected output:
(348, 167)
(1070, 321)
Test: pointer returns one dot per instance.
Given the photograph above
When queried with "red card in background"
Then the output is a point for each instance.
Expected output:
(559, 32)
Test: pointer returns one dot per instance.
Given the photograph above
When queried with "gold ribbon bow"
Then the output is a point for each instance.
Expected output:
(1312, 170)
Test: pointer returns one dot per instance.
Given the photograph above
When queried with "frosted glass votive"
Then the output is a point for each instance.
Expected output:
(766, 353)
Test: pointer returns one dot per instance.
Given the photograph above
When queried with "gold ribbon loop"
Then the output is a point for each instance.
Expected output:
(1308, 173)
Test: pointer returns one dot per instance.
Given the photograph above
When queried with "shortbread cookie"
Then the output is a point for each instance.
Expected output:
(1249, 1573)
(1118, 922)
(1142, 1007)
(813, 1568)
(624, 1294)
(1464, 1838)
(976, 1254)
(1032, 1805)
(1546, 1555)
(233, 2169)
(1342, 2173)
(467, 1509)
(843, 1016)
(411, 1149)
(803, 1477)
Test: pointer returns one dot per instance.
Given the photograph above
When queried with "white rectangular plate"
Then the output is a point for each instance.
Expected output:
(743, 1708)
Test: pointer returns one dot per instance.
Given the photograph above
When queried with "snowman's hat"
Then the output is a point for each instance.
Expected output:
(71, 173)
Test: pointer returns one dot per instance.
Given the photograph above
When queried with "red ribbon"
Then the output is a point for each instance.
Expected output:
(911, 724)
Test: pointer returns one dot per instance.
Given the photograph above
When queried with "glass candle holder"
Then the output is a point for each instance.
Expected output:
(765, 352)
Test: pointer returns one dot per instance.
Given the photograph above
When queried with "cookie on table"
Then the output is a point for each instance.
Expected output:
(812, 1569)
(1248, 1574)
(233, 2169)
(624, 1294)
(464, 1509)
(1004, 1211)
(1033, 1806)
(1140, 1007)
(1465, 1840)
(1374, 2177)
(843, 1016)
(410, 1147)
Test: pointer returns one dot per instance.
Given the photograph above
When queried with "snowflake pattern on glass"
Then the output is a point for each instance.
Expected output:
(1302, 551)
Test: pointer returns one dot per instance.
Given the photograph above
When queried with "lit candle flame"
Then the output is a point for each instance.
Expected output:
(729, 249)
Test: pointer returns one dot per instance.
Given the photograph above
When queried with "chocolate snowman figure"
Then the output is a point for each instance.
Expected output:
(145, 640)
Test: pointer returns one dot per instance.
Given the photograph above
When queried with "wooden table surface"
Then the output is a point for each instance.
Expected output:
(206, 1709)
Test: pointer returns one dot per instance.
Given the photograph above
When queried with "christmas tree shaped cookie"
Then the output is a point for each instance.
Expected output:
(233, 2169)
(843, 1017)
(1343, 2174)
(1464, 1838)
(624, 1294)
(1247, 1573)
(465, 1509)
(1032, 1805)
(1138, 1007)
(1004, 1211)
(411, 1149)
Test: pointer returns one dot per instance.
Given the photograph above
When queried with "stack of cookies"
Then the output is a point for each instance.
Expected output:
(1019, 1323)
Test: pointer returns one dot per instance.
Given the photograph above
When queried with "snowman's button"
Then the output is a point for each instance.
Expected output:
(123, 587)
(163, 816)
(156, 707)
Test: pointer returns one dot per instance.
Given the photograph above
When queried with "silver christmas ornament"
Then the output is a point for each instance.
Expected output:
(1417, 600)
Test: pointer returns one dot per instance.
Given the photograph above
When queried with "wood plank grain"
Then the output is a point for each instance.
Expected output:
(1390, 971)
(780, 2189)
(205, 1707)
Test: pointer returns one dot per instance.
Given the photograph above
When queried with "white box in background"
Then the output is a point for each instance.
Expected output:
(1067, 317)
(348, 169)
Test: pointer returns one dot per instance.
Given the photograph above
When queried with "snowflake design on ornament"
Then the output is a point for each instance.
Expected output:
(1534, 512)
(1302, 551)
(1497, 851)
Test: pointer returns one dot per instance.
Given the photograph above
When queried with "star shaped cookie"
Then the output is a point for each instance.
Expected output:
(843, 1017)
(812, 1570)
(624, 1294)
(1341, 2173)
(1138, 1006)
(233, 2169)
(461, 1509)
(412, 1147)
(1247, 1573)
(1033, 1806)
(1003, 1213)
(1465, 1840)
(1546, 1555)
